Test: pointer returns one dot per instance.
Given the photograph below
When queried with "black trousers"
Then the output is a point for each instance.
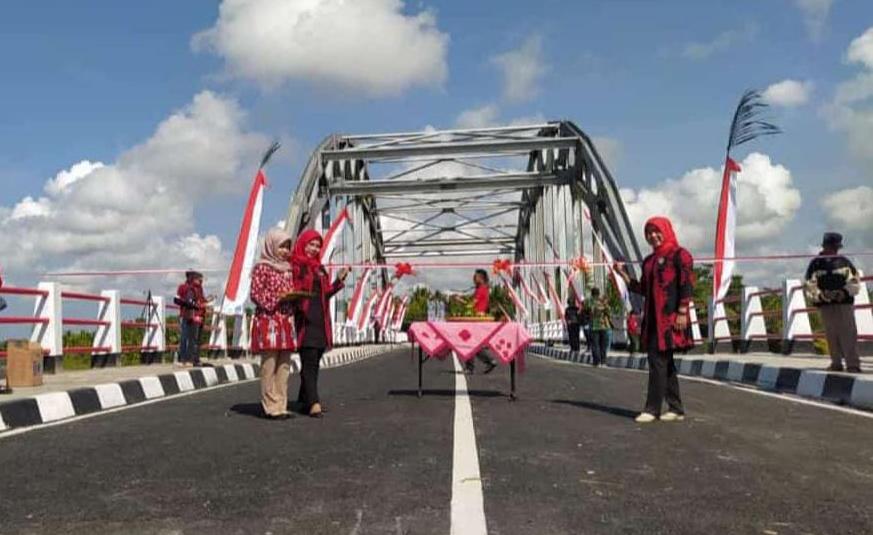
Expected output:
(573, 335)
(310, 362)
(189, 345)
(663, 381)
(598, 345)
(484, 356)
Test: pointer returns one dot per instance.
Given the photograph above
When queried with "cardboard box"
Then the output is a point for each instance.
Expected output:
(23, 363)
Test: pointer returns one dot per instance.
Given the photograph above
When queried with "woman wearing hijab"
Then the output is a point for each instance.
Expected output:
(312, 315)
(272, 329)
(667, 284)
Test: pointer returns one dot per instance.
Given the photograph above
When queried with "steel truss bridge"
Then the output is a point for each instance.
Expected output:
(532, 193)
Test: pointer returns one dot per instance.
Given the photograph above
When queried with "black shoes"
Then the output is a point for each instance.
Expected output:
(490, 368)
(283, 416)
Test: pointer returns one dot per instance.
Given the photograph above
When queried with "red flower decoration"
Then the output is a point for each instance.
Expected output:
(401, 269)
(501, 265)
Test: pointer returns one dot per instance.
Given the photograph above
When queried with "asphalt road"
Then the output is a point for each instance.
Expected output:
(566, 458)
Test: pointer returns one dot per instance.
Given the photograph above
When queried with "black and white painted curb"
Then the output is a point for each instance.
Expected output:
(845, 389)
(54, 406)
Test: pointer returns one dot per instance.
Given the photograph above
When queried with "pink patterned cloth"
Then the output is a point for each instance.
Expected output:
(507, 340)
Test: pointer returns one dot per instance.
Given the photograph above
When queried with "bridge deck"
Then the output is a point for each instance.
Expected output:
(566, 458)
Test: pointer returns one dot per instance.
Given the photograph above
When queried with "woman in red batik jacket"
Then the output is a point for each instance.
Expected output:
(272, 328)
(667, 285)
(312, 314)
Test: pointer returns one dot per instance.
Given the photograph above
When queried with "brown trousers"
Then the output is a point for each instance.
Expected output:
(841, 333)
(275, 369)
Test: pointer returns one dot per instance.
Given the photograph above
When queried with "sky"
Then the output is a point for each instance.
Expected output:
(130, 131)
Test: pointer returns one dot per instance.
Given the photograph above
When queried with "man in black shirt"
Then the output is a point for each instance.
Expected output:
(831, 284)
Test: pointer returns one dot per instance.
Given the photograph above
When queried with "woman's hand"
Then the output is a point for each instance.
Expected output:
(621, 269)
(681, 322)
(344, 272)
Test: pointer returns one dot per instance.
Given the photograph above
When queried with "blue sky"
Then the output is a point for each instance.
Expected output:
(658, 81)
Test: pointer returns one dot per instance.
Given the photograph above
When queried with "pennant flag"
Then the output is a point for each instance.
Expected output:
(331, 238)
(526, 289)
(382, 306)
(355, 305)
(388, 316)
(364, 318)
(725, 228)
(236, 290)
(617, 281)
(571, 284)
(520, 309)
(541, 293)
(556, 301)
(401, 313)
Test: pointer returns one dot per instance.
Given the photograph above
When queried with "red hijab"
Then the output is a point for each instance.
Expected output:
(663, 224)
(303, 266)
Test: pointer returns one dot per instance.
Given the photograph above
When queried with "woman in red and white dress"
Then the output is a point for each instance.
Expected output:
(273, 325)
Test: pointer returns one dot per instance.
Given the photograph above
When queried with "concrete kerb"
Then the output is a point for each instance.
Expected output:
(841, 388)
(55, 406)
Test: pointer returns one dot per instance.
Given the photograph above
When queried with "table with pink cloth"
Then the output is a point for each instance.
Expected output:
(506, 340)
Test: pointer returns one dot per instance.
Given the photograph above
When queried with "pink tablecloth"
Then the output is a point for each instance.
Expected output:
(437, 338)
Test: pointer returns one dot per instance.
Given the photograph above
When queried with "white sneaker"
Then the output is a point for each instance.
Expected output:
(672, 417)
(645, 418)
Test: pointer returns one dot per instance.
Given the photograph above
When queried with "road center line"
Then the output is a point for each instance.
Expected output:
(468, 505)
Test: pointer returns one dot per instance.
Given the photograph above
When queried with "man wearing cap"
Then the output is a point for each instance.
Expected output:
(192, 308)
(832, 283)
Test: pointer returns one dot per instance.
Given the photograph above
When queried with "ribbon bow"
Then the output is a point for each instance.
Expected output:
(501, 265)
(580, 264)
(401, 269)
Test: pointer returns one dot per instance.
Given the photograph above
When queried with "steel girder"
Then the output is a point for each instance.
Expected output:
(520, 191)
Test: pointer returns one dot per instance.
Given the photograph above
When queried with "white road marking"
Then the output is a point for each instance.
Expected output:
(468, 504)
(742, 387)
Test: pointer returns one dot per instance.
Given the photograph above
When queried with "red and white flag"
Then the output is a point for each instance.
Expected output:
(401, 313)
(382, 307)
(239, 279)
(356, 303)
(331, 238)
(526, 289)
(541, 294)
(556, 301)
(388, 316)
(725, 228)
(364, 318)
(520, 309)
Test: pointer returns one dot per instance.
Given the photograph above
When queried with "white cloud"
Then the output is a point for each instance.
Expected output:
(815, 16)
(851, 109)
(767, 202)
(66, 178)
(851, 212)
(367, 46)
(861, 49)
(722, 42)
(480, 117)
(139, 210)
(523, 70)
(788, 93)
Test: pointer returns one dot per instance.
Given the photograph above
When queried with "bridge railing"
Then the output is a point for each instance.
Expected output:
(115, 315)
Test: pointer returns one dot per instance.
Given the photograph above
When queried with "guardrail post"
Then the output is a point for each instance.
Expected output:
(719, 328)
(108, 336)
(795, 320)
(695, 324)
(50, 335)
(218, 334)
(241, 335)
(154, 341)
(752, 325)
(863, 316)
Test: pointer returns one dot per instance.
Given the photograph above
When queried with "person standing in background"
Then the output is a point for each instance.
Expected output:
(572, 317)
(192, 310)
(312, 314)
(832, 283)
(272, 330)
(601, 324)
(633, 332)
(481, 306)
